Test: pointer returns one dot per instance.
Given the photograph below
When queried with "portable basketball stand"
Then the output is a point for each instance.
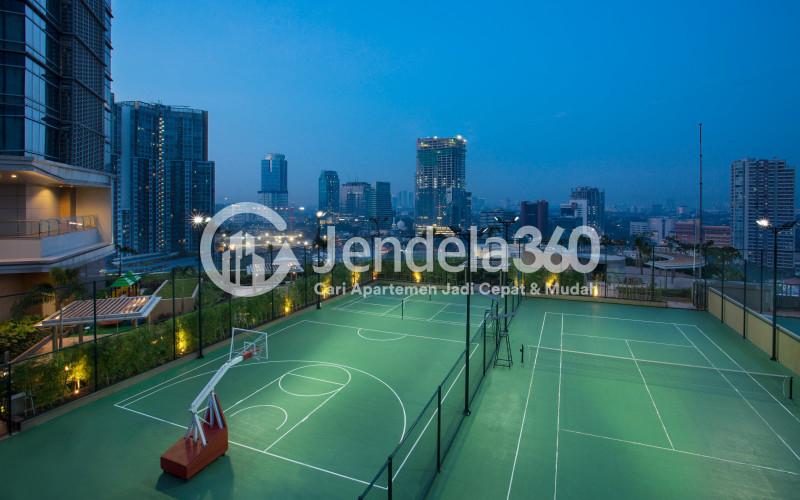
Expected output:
(206, 438)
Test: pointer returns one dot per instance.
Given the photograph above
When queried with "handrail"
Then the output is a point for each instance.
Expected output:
(40, 228)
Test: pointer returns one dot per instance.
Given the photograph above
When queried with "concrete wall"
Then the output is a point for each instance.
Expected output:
(96, 201)
(758, 331)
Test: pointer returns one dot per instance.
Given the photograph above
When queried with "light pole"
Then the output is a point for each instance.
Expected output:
(305, 273)
(461, 234)
(776, 230)
(504, 273)
(320, 214)
(198, 222)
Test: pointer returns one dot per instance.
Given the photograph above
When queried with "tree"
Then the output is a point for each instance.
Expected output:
(643, 248)
(65, 286)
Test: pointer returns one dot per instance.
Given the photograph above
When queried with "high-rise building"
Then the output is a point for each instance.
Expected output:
(55, 182)
(762, 189)
(274, 182)
(329, 191)
(163, 175)
(382, 205)
(595, 206)
(355, 199)
(534, 213)
(440, 193)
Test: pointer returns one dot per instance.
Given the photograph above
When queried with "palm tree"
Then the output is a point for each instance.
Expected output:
(121, 250)
(643, 249)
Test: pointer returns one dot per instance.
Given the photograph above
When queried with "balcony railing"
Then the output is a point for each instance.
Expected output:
(46, 227)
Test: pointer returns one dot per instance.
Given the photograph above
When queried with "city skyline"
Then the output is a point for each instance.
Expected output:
(592, 104)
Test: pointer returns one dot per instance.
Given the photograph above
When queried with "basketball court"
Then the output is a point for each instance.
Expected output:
(607, 401)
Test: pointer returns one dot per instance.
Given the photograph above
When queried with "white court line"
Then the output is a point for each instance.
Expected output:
(305, 418)
(525, 412)
(274, 455)
(619, 319)
(395, 316)
(325, 323)
(444, 398)
(392, 309)
(315, 378)
(558, 407)
(225, 353)
(285, 413)
(627, 340)
(742, 396)
(652, 361)
(647, 388)
(683, 452)
(751, 376)
(439, 311)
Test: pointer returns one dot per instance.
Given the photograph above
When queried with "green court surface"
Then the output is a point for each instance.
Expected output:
(340, 389)
(620, 401)
(609, 401)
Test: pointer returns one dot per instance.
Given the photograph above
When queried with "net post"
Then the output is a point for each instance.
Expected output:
(791, 386)
(402, 308)
(483, 329)
(389, 478)
(439, 429)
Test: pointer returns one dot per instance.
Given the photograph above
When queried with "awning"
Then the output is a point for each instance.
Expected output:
(81, 312)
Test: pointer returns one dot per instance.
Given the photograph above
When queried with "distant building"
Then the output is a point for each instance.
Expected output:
(355, 199)
(595, 206)
(274, 182)
(685, 232)
(329, 191)
(762, 189)
(720, 235)
(441, 182)
(661, 228)
(488, 219)
(163, 175)
(534, 213)
(403, 201)
(640, 228)
(381, 208)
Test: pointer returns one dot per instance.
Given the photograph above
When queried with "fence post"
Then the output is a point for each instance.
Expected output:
(199, 313)
(744, 301)
(389, 479)
(653, 274)
(9, 420)
(94, 328)
(439, 430)
(484, 343)
(174, 319)
(722, 293)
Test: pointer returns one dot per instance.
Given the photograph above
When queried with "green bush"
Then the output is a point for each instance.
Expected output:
(16, 336)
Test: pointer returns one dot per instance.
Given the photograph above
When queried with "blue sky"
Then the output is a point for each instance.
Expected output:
(548, 94)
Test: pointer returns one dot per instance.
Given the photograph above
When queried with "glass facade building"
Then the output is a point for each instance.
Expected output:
(56, 81)
(329, 191)
(382, 209)
(274, 182)
(595, 210)
(163, 175)
(441, 198)
(762, 189)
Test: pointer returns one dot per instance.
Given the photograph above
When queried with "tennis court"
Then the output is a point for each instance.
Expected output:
(341, 388)
(629, 402)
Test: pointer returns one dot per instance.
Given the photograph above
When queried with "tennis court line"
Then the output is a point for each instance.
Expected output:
(395, 316)
(647, 388)
(747, 401)
(683, 452)
(274, 455)
(325, 323)
(225, 353)
(751, 377)
(620, 319)
(392, 309)
(558, 407)
(627, 340)
(525, 411)
(654, 361)
(439, 311)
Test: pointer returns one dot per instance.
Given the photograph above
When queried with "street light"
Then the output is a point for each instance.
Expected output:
(504, 281)
(765, 224)
(198, 222)
(320, 214)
